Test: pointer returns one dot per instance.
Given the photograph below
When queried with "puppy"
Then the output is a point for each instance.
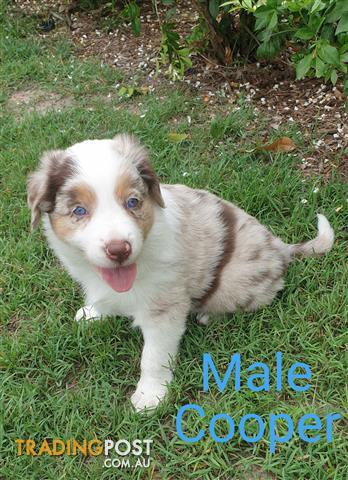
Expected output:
(154, 252)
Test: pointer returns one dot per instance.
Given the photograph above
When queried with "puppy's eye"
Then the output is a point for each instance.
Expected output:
(132, 202)
(80, 211)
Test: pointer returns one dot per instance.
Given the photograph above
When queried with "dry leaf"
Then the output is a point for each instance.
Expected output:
(144, 90)
(338, 94)
(283, 144)
(177, 137)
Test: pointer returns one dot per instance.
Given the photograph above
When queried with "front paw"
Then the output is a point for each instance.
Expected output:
(148, 394)
(203, 318)
(87, 312)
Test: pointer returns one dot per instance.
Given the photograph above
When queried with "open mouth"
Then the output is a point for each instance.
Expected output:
(120, 279)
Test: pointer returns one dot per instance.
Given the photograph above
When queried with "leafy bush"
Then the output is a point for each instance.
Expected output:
(315, 31)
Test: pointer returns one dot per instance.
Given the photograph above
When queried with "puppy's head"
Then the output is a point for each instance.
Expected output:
(100, 197)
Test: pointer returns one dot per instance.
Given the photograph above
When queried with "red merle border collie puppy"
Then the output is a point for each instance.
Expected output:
(154, 252)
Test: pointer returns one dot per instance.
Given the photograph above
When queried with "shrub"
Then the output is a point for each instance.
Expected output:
(315, 31)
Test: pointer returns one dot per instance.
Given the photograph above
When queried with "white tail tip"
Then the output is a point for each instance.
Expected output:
(321, 244)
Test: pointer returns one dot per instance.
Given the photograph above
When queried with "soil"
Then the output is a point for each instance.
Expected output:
(318, 109)
(33, 99)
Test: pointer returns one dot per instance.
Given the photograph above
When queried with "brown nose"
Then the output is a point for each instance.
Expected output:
(118, 250)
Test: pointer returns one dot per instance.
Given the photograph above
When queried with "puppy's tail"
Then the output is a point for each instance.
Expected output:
(321, 244)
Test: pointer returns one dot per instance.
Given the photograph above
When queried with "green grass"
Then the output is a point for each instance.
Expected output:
(67, 380)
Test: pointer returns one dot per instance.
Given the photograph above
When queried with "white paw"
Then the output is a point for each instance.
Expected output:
(87, 313)
(203, 318)
(147, 395)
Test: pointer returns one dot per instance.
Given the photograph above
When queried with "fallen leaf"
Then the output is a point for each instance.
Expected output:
(143, 90)
(177, 137)
(283, 144)
(128, 91)
(338, 94)
(275, 126)
(122, 91)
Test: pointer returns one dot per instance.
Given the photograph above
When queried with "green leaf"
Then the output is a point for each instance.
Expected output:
(303, 66)
(342, 24)
(248, 4)
(340, 9)
(329, 54)
(334, 77)
(262, 18)
(294, 6)
(264, 36)
(315, 22)
(214, 8)
(177, 137)
(304, 33)
(320, 68)
(184, 56)
(273, 21)
(122, 91)
(268, 49)
(328, 32)
(317, 6)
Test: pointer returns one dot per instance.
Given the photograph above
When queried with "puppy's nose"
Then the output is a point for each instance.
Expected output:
(118, 250)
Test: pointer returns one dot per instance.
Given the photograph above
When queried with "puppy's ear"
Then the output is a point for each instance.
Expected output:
(129, 146)
(54, 169)
(151, 180)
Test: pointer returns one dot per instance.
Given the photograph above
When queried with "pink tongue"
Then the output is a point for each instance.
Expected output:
(120, 279)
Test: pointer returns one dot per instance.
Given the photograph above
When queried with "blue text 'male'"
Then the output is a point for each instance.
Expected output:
(258, 374)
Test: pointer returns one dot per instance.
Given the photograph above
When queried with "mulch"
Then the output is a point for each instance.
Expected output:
(317, 108)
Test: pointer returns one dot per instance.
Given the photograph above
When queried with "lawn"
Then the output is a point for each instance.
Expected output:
(60, 379)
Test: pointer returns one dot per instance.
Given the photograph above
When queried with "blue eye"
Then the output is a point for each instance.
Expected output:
(132, 202)
(80, 211)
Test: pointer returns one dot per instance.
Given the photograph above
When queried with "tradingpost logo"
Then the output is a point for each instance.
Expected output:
(120, 453)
